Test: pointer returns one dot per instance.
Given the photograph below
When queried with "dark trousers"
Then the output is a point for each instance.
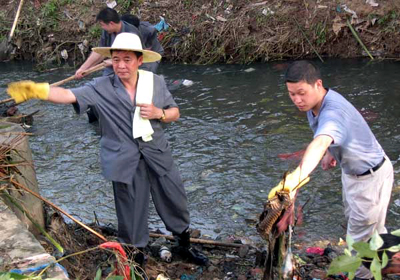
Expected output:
(132, 204)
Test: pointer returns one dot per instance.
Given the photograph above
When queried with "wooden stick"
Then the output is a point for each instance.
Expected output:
(6, 100)
(85, 73)
(59, 209)
(15, 21)
(199, 241)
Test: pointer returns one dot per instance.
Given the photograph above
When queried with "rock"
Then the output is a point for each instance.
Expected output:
(243, 251)
(195, 233)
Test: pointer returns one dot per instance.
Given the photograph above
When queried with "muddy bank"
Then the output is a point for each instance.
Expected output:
(57, 31)
(83, 257)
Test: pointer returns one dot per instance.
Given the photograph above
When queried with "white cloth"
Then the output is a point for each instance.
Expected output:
(144, 95)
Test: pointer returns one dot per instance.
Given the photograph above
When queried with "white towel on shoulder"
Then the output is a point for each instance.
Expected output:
(144, 95)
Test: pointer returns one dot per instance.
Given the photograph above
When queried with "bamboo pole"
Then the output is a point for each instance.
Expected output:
(6, 100)
(85, 73)
(359, 40)
(58, 209)
(15, 20)
(199, 241)
(309, 42)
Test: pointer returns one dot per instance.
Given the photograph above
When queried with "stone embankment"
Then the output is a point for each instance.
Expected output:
(20, 250)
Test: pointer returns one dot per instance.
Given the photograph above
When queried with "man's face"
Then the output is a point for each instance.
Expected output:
(125, 64)
(107, 27)
(304, 95)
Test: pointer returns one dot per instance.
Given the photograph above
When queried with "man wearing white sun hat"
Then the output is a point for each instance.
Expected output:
(135, 154)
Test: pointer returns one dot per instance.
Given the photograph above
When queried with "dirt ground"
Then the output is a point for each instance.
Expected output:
(52, 32)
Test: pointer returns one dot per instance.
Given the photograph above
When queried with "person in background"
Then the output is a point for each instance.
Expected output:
(111, 26)
(150, 39)
(132, 105)
(341, 136)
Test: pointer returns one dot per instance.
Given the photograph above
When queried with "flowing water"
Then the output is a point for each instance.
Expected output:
(235, 122)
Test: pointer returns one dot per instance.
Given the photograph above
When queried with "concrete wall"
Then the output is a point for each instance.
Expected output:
(21, 153)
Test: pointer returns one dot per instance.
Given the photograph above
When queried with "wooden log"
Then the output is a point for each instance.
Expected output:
(200, 241)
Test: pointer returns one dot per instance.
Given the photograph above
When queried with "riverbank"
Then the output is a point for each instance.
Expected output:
(52, 32)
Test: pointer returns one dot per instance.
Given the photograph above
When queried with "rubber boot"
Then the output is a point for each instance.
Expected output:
(136, 255)
(141, 259)
(186, 251)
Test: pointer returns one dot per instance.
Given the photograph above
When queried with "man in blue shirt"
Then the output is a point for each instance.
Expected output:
(341, 136)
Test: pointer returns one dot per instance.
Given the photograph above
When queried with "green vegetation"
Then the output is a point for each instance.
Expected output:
(366, 252)
(125, 5)
(250, 32)
(388, 18)
(320, 33)
(50, 9)
(95, 31)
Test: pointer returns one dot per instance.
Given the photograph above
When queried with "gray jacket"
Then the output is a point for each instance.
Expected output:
(119, 152)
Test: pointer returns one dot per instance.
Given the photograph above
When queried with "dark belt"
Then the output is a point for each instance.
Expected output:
(375, 168)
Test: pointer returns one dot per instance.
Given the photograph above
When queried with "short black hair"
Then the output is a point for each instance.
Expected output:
(302, 70)
(131, 19)
(138, 54)
(107, 15)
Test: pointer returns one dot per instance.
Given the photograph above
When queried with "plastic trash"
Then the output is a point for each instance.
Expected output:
(165, 254)
(248, 70)
(64, 54)
(161, 277)
(111, 4)
(354, 14)
(187, 83)
(161, 25)
(372, 3)
(315, 250)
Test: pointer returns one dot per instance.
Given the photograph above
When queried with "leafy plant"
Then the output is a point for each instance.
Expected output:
(320, 33)
(125, 4)
(50, 9)
(392, 15)
(95, 31)
(16, 276)
(366, 252)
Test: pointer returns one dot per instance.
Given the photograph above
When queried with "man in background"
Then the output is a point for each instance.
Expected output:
(149, 39)
(112, 25)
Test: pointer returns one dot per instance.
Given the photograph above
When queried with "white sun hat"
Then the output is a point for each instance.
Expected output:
(128, 42)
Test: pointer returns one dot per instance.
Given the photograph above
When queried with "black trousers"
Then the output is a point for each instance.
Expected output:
(132, 204)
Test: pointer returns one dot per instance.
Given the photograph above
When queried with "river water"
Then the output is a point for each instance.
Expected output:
(235, 122)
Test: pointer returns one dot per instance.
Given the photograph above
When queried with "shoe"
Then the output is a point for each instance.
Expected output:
(186, 251)
(193, 255)
(141, 259)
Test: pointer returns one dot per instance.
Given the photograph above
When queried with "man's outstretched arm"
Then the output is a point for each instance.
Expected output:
(61, 95)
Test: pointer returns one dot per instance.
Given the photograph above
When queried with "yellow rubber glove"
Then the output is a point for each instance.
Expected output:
(25, 90)
(289, 184)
